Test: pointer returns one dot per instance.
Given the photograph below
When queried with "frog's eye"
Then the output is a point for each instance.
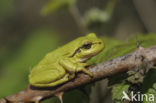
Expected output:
(87, 45)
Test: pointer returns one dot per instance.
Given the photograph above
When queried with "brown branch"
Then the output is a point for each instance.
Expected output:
(100, 71)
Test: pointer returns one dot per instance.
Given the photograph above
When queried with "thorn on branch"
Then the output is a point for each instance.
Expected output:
(60, 95)
(37, 99)
(137, 41)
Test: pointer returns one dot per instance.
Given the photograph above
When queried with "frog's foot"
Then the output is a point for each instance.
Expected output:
(63, 80)
(71, 76)
(84, 64)
(85, 71)
(81, 67)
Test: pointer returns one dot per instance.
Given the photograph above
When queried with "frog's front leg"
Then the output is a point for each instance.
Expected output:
(72, 67)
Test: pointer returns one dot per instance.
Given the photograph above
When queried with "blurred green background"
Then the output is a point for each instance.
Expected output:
(31, 28)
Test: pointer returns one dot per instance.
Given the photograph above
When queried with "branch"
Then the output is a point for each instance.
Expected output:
(100, 71)
(75, 13)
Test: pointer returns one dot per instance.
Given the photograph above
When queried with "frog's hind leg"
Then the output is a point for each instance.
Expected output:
(62, 80)
(66, 78)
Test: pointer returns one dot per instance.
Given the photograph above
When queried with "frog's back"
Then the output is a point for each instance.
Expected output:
(50, 60)
(61, 52)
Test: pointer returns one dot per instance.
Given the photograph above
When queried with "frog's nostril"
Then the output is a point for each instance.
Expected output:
(99, 42)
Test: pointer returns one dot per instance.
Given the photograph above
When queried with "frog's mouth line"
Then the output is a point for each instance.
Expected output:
(82, 60)
(76, 51)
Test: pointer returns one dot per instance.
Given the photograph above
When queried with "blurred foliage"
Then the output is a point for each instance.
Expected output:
(149, 84)
(5, 7)
(18, 66)
(95, 15)
(54, 5)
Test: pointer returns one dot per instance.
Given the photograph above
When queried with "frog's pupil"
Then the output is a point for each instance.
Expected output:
(87, 46)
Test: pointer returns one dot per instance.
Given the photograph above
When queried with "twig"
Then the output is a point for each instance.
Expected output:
(100, 71)
(74, 11)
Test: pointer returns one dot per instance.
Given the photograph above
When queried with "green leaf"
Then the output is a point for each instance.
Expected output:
(117, 91)
(149, 85)
(54, 5)
(115, 48)
(109, 43)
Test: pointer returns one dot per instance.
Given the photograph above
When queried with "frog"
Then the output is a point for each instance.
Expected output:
(64, 63)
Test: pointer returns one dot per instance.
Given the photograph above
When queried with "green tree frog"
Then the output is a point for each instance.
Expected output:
(61, 65)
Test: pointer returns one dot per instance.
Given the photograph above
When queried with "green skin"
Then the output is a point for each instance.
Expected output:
(60, 65)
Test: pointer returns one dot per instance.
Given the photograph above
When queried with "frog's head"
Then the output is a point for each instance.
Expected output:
(89, 46)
